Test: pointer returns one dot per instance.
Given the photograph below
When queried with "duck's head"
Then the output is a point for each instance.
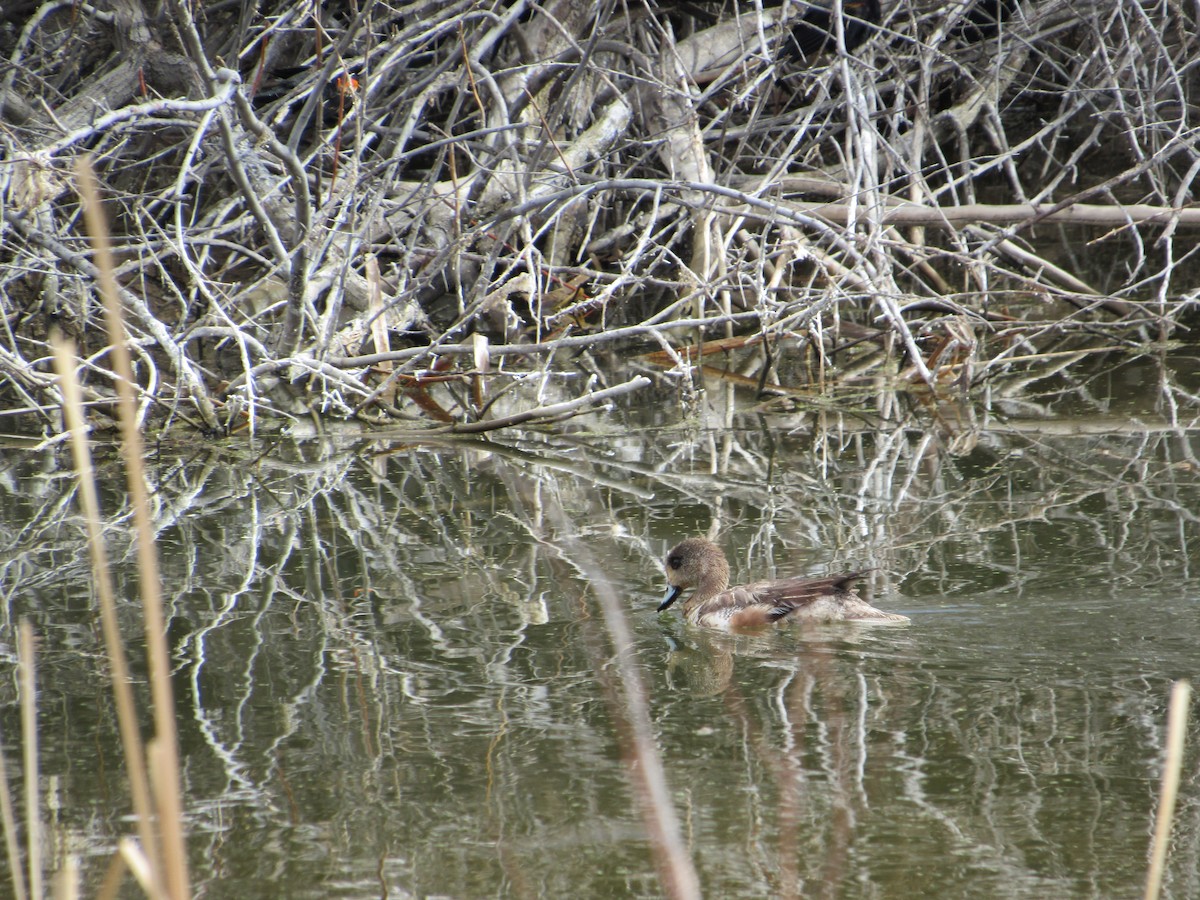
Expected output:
(695, 563)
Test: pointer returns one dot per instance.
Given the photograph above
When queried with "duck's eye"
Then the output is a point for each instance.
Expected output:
(675, 561)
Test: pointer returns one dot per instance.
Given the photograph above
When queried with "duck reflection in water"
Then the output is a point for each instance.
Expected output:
(700, 564)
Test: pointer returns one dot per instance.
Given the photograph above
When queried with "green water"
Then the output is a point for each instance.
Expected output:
(394, 678)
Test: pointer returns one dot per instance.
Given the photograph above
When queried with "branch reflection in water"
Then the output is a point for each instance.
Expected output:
(390, 662)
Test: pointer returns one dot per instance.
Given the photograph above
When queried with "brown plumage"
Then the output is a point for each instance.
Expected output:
(700, 564)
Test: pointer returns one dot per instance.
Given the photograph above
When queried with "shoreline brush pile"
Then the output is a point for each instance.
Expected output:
(431, 214)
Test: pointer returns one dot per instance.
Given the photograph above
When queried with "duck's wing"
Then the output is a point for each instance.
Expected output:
(764, 602)
(792, 594)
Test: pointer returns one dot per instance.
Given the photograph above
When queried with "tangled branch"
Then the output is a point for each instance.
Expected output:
(314, 210)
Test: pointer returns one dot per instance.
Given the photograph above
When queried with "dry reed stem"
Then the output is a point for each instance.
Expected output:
(29, 745)
(136, 861)
(646, 773)
(8, 821)
(66, 880)
(1177, 713)
(114, 874)
(127, 720)
(165, 754)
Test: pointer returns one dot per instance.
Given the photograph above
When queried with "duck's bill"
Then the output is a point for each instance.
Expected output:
(672, 595)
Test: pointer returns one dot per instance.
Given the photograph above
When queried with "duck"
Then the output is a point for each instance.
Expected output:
(700, 564)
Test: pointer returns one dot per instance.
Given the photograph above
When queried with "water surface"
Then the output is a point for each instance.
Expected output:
(393, 676)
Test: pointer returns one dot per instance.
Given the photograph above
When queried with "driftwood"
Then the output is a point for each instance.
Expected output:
(403, 212)
(1026, 215)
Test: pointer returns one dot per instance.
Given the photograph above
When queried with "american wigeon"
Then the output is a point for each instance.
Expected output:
(700, 564)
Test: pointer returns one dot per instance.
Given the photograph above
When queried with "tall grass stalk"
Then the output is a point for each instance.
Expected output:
(89, 501)
(29, 743)
(8, 820)
(164, 850)
(66, 880)
(646, 772)
(1177, 713)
